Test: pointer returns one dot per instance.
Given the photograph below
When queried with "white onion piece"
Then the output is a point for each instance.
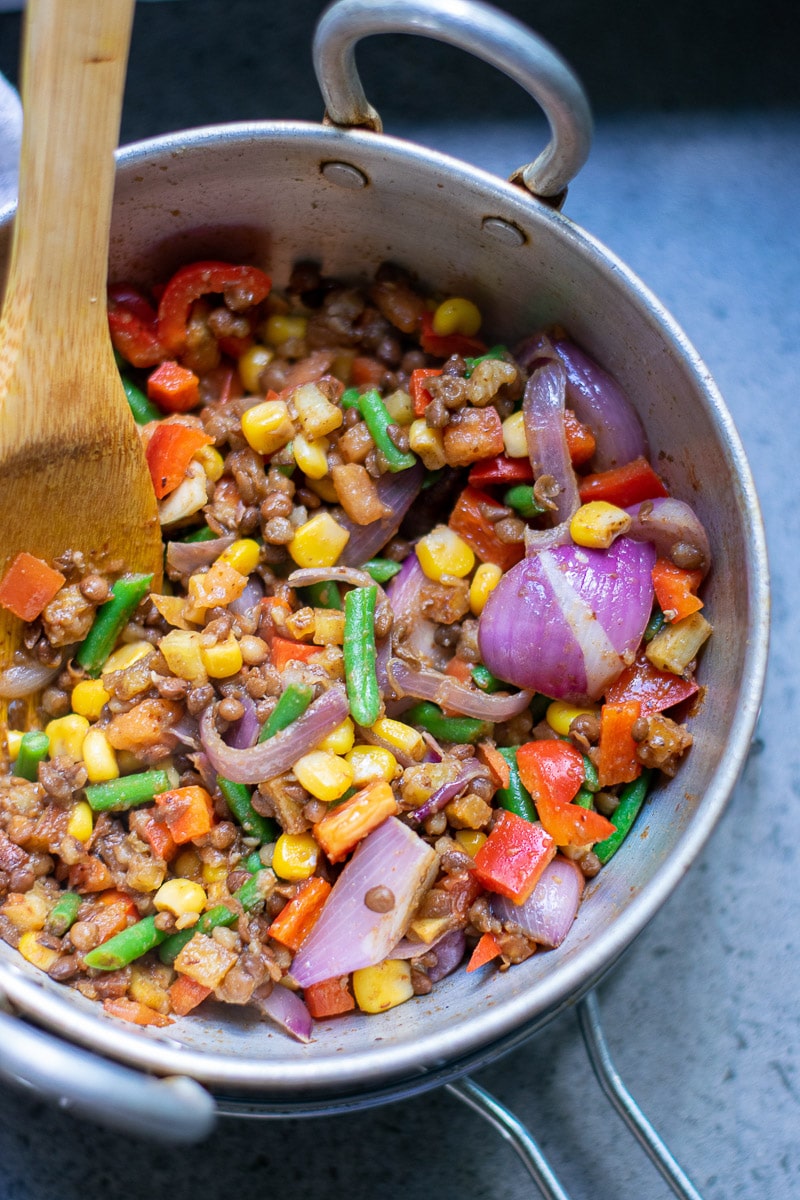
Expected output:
(548, 913)
(543, 412)
(562, 622)
(456, 697)
(286, 1009)
(599, 401)
(666, 522)
(348, 935)
(23, 679)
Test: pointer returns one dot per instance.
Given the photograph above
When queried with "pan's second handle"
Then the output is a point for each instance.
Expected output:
(481, 30)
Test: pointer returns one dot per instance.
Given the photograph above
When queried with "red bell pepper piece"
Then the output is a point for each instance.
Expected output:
(443, 345)
(623, 486)
(581, 442)
(297, 918)
(158, 837)
(135, 1012)
(479, 532)
(185, 994)
(487, 948)
(133, 324)
(501, 471)
(329, 997)
(284, 651)
(188, 813)
(28, 586)
(169, 452)
(675, 589)
(420, 395)
(655, 690)
(366, 372)
(616, 751)
(175, 389)
(201, 279)
(553, 771)
(513, 857)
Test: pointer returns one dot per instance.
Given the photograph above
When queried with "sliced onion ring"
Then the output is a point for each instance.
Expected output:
(599, 401)
(543, 413)
(548, 913)
(667, 522)
(449, 694)
(185, 557)
(286, 1009)
(23, 679)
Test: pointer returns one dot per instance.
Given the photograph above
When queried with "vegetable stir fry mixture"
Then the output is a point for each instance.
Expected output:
(428, 633)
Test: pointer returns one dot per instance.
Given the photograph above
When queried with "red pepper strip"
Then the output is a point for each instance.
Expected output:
(553, 771)
(442, 346)
(297, 918)
(623, 486)
(185, 994)
(581, 442)
(125, 295)
(169, 452)
(366, 372)
(173, 388)
(513, 857)
(235, 347)
(487, 948)
(675, 589)
(136, 340)
(655, 690)
(417, 390)
(477, 530)
(616, 752)
(28, 586)
(500, 470)
(329, 997)
(201, 279)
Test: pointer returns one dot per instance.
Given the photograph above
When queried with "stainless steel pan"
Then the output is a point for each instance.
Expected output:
(348, 196)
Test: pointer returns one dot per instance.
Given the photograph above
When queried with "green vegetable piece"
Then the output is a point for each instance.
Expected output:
(252, 863)
(200, 535)
(446, 729)
(515, 798)
(378, 420)
(591, 780)
(631, 799)
(110, 621)
(382, 569)
(219, 915)
(584, 798)
(292, 704)
(129, 791)
(143, 409)
(125, 947)
(63, 913)
(538, 707)
(33, 747)
(324, 595)
(495, 353)
(521, 498)
(360, 655)
(237, 796)
(654, 625)
(251, 893)
(483, 678)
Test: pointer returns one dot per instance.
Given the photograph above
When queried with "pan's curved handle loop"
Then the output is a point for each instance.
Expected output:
(481, 30)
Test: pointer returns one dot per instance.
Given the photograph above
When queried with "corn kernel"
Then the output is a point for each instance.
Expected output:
(268, 426)
(404, 737)
(324, 775)
(380, 988)
(89, 697)
(180, 896)
(443, 552)
(182, 650)
(242, 555)
(295, 856)
(484, 581)
(371, 764)
(427, 443)
(400, 407)
(280, 328)
(13, 741)
(211, 461)
(35, 953)
(81, 822)
(341, 739)
(315, 412)
(215, 872)
(457, 315)
(514, 438)
(311, 456)
(596, 524)
(470, 840)
(187, 864)
(319, 542)
(66, 735)
(251, 364)
(224, 659)
(99, 757)
(127, 655)
(560, 715)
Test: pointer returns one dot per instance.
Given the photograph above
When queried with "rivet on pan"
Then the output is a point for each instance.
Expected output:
(344, 175)
(504, 231)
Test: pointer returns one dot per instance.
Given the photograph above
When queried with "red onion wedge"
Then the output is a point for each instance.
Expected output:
(456, 697)
(252, 595)
(447, 792)
(279, 753)
(185, 557)
(348, 935)
(562, 622)
(600, 403)
(25, 678)
(543, 411)
(667, 523)
(397, 491)
(244, 732)
(548, 913)
(286, 1009)
(411, 630)
(449, 951)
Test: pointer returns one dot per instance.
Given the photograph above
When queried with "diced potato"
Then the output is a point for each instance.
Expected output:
(380, 988)
(205, 960)
(676, 645)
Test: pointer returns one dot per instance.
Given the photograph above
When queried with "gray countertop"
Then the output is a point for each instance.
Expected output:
(702, 1013)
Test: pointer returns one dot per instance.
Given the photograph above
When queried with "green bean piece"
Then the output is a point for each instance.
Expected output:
(447, 729)
(250, 894)
(125, 947)
(204, 534)
(591, 780)
(495, 353)
(292, 704)
(252, 863)
(631, 799)
(63, 913)
(219, 915)
(431, 478)
(654, 625)
(34, 746)
(110, 621)
(360, 655)
(378, 420)
(129, 791)
(515, 798)
(584, 798)
(382, 569)
(538, 707)
(237, 796)
(324, 595)
(521, 498)
(483, 678)
(142, 408)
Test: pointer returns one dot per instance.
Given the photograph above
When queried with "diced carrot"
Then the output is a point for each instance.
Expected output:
(347, 823)
(28, 586)
(460, 669)
(493, 759)
(329, 997)
(110, 918)
(500, 471)
(169, 452)
(419, 394)
(188, 813)
(136, 1013)
(89, 875)
(115, 896)
(487, 948)
(158, 837)
(173, 388)
(581, 442)
(297, 918)
(366, 371)
(675, 589)
(146, 724)
(616, 751)
(626, 485)
(285, 651)
(469, 522)
(185, 994)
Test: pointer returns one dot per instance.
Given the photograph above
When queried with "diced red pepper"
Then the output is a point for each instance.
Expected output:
(185, 994)
(366, 372)
(169, 452)
(133, 1011)
(581, 442)
(202, 279)
(329, 997)
(133, 324)
(513, 857)
(443, 345)
(616, 751)
(419, 394)
(491, 757)
(675, 589)
(502, 471)
(297, 918)
(158, 837)
(188, 813)
(173, 388)
(487, 948)
(469, 522)
(655, 690)
(28, 586)
(460, 669)
(285, 651)
(630, 484)
(553, 771)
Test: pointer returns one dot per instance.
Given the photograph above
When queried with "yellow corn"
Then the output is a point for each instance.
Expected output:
(427, 443)
(242, 555)
(326, 776)
(400, 407)
(443, 552)
(341, 739)
(180, 896)
(319, 542)
(224, 659)
(470, 840)
(371, 764)
(268, 426)
(215, 872)
(596, 524)
(81, 822)
(66, 735)
(35, 953)
(457, 315)
(281, 328)
(182, 650)
(126, 656)
(315, 412)
(484, 581)
(380, 988)
(251, 364)
(560, 715)
(404, 737)
(296, 856)
(514, 439)
(211, 461)
(311, 456)
(88, 698)
(187, 864)
(99, 757)
(13, 739)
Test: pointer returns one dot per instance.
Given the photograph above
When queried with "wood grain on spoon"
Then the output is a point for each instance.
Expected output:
(72, 470)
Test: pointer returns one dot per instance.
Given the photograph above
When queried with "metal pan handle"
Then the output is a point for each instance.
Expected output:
(481, 30)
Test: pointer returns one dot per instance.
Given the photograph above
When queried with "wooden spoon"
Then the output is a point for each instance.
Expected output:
(72, 471)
